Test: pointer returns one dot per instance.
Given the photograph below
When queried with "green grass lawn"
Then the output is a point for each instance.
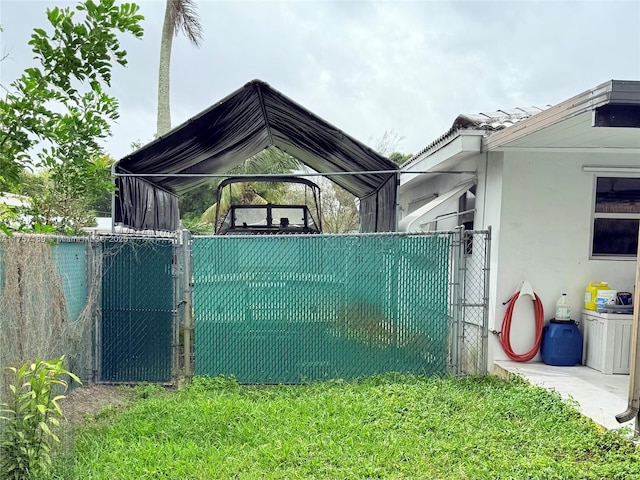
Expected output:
(383, 427)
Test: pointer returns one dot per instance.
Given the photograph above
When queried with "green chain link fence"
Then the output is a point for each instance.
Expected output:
(48, 301)
(137, 310)
(288, 309)
(268, 309)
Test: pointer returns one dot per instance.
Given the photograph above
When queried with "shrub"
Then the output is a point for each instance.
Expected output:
(30, 415)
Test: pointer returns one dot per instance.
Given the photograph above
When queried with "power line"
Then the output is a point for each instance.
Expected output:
(318, 174)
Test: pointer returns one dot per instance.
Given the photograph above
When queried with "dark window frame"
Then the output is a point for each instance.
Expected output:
(466, 217)
(615, 210)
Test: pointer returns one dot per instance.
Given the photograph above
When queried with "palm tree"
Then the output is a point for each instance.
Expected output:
(179, 15)
(239, 193)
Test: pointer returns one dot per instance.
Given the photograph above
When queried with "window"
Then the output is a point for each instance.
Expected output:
(466, 209)
(616, 217)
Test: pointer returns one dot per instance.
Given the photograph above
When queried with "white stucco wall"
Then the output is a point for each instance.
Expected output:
(539, 206)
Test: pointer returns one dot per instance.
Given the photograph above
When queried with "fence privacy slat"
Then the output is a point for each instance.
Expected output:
(267, 309)
(274, 309)
(137, 311)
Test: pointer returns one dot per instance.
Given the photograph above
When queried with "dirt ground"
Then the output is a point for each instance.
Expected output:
(93, 398)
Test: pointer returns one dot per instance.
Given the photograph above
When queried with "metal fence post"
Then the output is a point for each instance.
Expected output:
(485, 313)
(176, 268)
(188, 316)
(96, 251)
(457, 257)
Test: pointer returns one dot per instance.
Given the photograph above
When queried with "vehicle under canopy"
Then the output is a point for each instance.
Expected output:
(303, 216)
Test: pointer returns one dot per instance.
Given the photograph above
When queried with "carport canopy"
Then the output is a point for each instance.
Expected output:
(241, 125)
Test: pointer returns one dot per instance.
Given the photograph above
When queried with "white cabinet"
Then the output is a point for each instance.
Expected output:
(607, 341)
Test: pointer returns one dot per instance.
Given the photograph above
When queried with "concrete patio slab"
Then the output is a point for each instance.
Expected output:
(600, 397)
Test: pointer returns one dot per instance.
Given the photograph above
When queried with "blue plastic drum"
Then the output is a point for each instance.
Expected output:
(561, 344)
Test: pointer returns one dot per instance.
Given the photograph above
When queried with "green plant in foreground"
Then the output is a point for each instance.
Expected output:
(147, 390)
(29, 416)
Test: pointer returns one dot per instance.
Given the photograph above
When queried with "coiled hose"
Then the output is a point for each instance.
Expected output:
(505, 334)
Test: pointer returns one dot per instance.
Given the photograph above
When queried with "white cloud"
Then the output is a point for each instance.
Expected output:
(368, 67)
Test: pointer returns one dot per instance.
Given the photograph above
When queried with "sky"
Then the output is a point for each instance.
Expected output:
(367, 67)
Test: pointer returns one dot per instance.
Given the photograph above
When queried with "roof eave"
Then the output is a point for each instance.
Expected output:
(612, 92)
(444, 156)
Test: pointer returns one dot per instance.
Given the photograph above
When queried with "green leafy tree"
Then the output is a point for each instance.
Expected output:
(340, 214)
(69, 205)
(55, 114)
(99, 202)
(388, 145)
(179, 16)
(339, 211)
(194, 202)
(399, 158)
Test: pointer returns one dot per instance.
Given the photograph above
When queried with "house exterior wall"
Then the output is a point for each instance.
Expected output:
(539, 206)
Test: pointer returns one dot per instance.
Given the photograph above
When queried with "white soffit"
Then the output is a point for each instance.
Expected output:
(577, 133)
(569, 125)
(445, 158)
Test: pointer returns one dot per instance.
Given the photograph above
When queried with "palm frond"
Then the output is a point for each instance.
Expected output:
(184, 14)
(209, 215)
(270, 160)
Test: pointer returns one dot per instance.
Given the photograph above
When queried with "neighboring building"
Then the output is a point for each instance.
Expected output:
(16, 203)
(104, 227)
(559, 187)
(13, 200)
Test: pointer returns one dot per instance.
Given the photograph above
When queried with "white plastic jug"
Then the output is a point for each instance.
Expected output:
(563, 308)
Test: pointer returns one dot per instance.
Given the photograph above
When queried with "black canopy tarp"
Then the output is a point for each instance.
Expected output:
(243, 124)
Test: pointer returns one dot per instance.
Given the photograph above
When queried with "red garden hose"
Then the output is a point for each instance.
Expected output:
(505, 334)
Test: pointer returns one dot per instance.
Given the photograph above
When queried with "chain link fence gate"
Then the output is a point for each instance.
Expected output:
(137, 336)
(274, 309)
(469, 301)
(107, 303)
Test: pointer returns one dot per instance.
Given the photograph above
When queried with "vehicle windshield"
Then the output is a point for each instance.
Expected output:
(251, 216)
(243, 208)
(289, 216)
